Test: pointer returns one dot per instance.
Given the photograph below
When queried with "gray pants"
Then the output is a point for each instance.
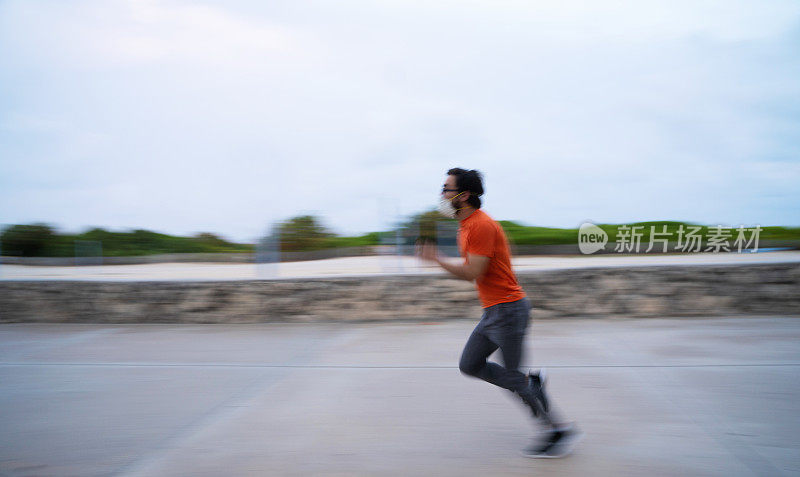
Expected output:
(502, 326)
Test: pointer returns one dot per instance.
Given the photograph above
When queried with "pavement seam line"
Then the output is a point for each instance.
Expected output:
(323, 366)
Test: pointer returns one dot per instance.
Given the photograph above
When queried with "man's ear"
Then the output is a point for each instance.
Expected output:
(464, 196)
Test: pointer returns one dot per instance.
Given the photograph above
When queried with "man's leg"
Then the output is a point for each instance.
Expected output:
(503, 326)
(473, 358)
(512, 341)
(499, 328)
(562, 435)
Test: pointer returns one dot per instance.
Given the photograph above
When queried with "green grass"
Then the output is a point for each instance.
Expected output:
(531, 235)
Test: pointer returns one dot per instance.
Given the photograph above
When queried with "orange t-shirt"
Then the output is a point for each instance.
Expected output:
(478, 234)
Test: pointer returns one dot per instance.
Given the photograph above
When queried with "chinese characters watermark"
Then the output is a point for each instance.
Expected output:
(690, 238)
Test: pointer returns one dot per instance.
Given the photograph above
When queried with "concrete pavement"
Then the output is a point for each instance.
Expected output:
(655, 397)
(367, 266)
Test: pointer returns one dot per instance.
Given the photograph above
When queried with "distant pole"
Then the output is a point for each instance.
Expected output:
(268, 254)
(88, 252)
(446, 238)
(398, 249)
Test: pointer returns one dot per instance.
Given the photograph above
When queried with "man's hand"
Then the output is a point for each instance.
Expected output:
(427, 251)
(472, 268)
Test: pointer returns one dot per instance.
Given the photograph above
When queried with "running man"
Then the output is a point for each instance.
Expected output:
(506, 310)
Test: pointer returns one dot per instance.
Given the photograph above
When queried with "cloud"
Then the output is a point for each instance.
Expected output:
(188, 116)
(139, 32)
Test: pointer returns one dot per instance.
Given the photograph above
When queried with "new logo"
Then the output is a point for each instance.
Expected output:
(591, 238)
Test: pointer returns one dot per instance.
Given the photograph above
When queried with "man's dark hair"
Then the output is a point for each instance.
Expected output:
(470, 181)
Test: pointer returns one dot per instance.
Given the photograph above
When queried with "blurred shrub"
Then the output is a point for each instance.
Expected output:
(425, 224)
(304, 232)
(27, 240)
(40, 240)
(307, 233)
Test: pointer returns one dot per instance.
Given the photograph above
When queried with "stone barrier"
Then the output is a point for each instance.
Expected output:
(644, 292)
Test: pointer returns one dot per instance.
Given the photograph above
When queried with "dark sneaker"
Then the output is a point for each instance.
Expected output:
(556, 443)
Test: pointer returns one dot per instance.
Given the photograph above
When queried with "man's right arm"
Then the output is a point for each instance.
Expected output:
(470, 270)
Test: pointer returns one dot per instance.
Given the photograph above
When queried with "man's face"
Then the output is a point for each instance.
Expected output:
(450, 190)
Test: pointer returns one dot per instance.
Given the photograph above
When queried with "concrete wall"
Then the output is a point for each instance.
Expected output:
(187, 258)
(635, 292)
(518, 250)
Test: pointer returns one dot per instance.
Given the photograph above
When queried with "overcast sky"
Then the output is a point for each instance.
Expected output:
(184, 117)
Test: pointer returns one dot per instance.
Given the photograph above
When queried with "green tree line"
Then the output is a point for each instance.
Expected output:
(42, 240)
(307, 233)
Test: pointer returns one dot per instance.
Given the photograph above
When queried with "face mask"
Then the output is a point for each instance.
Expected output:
(446, 207)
